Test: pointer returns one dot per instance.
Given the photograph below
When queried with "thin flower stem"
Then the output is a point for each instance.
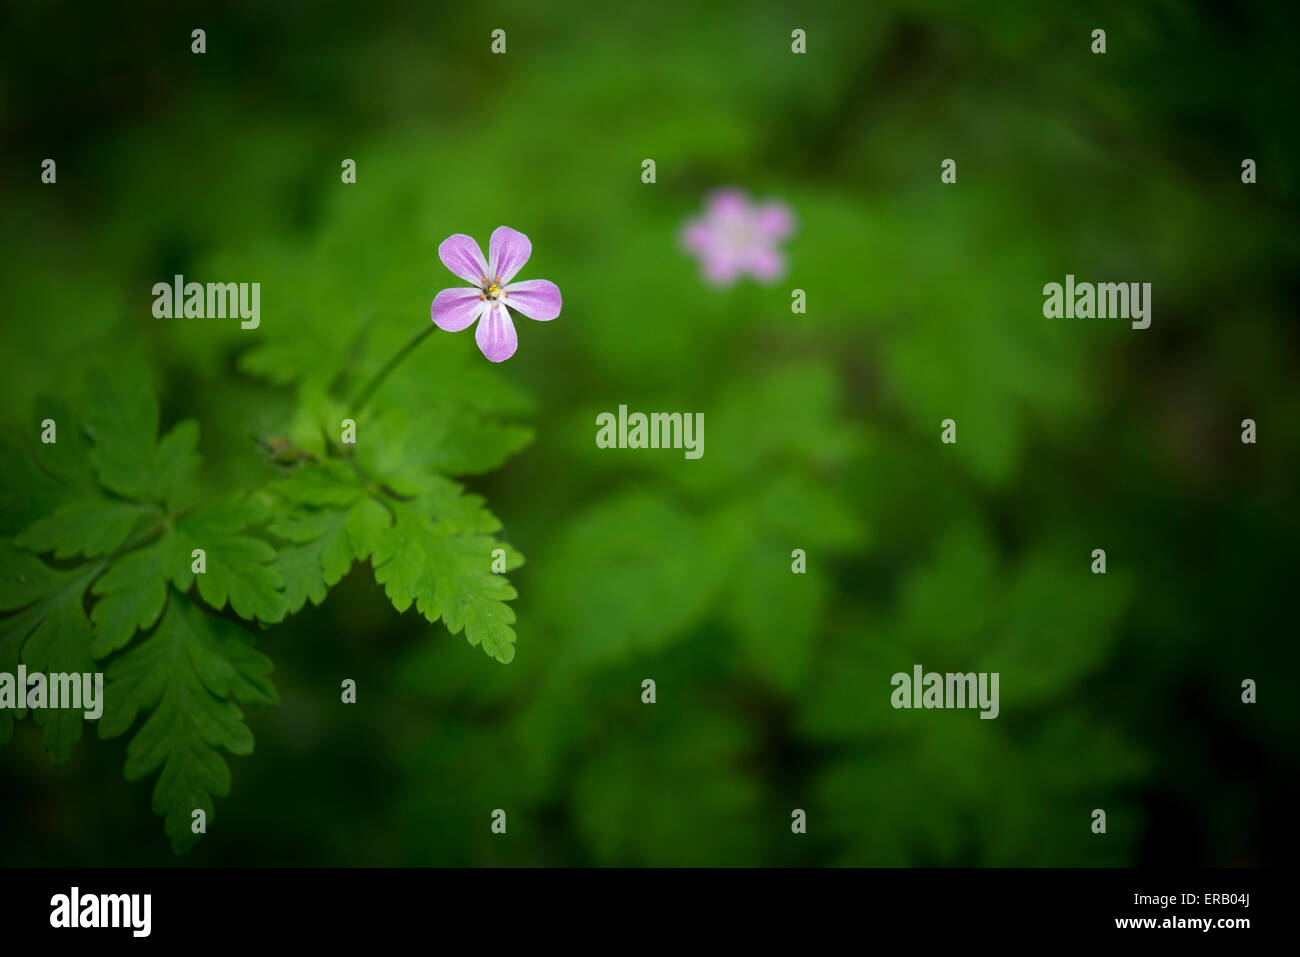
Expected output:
(378, 379)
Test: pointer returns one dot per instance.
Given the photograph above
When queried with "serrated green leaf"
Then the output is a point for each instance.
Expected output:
(49, 632)
(310, 569)
(39, 477)
(367, 523)
(240, 568)
(88, 526)
(447, 575)
(67, 459)
(445, 503)
(326, 540)
(132, 593)
(453, 440)
(126, 455)
(190, 674)
(431, 547)
(327, 483)
(26, 491)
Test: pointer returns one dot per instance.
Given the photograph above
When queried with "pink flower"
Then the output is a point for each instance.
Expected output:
(457, 309)
(735, 236)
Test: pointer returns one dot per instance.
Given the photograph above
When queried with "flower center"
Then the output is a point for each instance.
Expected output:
(491, 289)
(740, 234)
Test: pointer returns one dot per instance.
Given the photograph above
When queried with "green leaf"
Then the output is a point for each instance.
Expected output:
(792, 508)
(328, 483)
(951, 598)
(430, 544)
(240, 568)
(367, 522)
(453, 440)
(327, 540)
(632, 551)
(123, 422)
(1058, 624)
(35, 482)
(625, 788)
(445, 502)
(88, 526)
(49, 632)
(132, 593)
(778, 637)
(331, 539)
(189, 675)
(447, 575)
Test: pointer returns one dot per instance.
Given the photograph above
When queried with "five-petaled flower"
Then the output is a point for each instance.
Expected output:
(735, 237)
(457, 309)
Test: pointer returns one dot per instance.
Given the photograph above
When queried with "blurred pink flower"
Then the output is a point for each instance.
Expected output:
(735, 237)
(492, 290)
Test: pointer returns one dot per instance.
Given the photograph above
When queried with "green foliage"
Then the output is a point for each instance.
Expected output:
(49, 632)
(190, 674)
(430, 544)
(157, 579)
(821, 433)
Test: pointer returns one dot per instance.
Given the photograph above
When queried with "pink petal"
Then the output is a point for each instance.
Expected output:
(697, 236)
(461, 255)
(455, 309)
(495, 335)
(508, 250)
(728, 201)
(536, 298)
(721, 269)
(766, 264)
(775, 220)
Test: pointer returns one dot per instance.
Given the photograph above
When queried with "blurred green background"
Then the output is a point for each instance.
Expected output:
(1119, 692)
